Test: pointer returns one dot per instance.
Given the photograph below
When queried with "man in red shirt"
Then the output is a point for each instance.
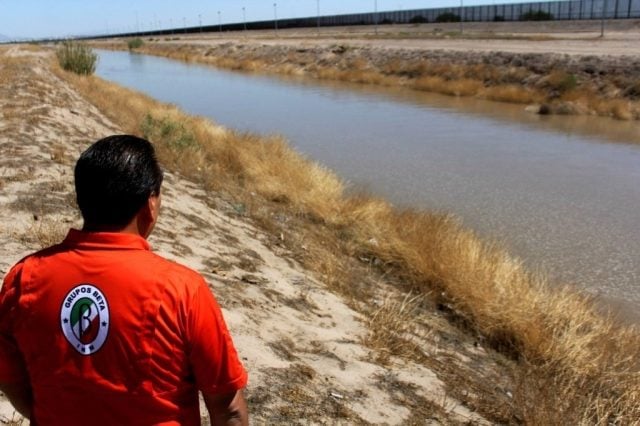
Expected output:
(99, 330)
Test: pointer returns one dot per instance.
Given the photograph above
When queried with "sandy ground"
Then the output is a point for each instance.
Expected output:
(621, 38)
(301, 343)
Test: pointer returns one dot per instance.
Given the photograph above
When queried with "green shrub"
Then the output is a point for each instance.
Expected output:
(562, 81)
(76, 57)
(448, 17)
(135, 43)
(168, 132)
(418, 19)
(536, 16)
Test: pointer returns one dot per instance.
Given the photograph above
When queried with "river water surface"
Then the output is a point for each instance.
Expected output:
(562, 193)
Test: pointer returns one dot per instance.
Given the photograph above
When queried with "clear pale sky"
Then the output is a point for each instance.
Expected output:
(59, 18)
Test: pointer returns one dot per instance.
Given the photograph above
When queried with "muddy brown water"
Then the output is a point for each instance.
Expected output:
(562, 193)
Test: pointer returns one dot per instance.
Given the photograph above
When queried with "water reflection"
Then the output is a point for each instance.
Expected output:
(598, 129)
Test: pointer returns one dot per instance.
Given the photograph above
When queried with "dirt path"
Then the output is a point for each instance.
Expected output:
(301, 343)
(622, 38)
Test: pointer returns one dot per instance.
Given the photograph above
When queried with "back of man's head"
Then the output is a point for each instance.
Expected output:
(114, 179)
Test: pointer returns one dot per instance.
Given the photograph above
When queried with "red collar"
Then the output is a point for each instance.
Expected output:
(105, 240)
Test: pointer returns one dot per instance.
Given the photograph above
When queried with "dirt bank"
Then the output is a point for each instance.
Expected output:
(551, 72)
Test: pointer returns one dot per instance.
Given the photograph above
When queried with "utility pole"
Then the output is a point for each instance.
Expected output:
(461, 18)
(184, 24)
(200, 22)
(318, 16)
(219, 24)
(244, 19)
(604, 10)
(275, 16)
(375, 15)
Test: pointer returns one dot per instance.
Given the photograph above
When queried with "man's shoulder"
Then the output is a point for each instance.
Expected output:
(176, 272)
(16, 270)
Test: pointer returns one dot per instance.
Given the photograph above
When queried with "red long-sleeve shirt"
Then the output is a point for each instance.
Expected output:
(106, 332)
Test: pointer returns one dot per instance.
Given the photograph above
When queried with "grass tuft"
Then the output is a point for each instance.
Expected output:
(135, 43)
(171, 133)
(47, 232)
(77, 58)
(391, 328)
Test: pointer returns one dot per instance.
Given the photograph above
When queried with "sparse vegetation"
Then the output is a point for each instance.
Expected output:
(48, 232)
(135, 43)
(418, 19)
(537, 15)
(561, 81)
(392, 327)
(448, 17)
(77, 58)
(172, 134)
(561, 344)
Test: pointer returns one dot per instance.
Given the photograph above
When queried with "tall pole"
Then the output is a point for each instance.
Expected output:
(171, 25)
(375, 15)
(318, 15)
(275, 16)
(184, 24)
(200, 22)
(461, 18)
(244, 18)
(604, 9)
(219, 24)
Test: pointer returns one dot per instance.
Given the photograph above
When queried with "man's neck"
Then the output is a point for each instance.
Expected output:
(130, 228)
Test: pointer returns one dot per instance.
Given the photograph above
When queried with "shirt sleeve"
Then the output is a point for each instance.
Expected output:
(12, 368)
(213, 357)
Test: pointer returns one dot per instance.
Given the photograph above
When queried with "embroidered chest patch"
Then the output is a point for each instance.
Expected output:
(84, 318)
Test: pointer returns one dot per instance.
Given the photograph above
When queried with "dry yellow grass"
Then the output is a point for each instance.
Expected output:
(512, 93)
(392, 327)
(563, 346)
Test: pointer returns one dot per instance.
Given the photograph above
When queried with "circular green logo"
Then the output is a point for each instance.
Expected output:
(84, 318)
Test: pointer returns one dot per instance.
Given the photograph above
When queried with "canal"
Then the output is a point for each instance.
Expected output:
(562, 193)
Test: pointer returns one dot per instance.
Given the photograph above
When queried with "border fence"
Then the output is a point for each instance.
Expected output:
(555, 10)
(539, 11)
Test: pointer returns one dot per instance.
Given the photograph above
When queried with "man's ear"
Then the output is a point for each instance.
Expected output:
(148, 215)
(153, 203)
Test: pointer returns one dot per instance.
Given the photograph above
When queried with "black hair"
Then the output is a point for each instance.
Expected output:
(114, 178)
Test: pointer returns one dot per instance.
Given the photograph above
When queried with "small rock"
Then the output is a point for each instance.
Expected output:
(250, 279)
(544, 109)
